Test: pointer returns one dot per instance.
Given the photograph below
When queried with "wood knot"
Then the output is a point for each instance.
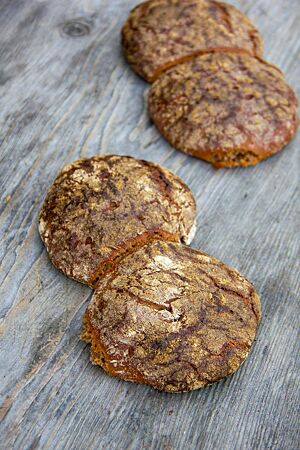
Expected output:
(76, 27)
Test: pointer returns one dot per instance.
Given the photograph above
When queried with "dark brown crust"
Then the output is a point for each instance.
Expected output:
(171, 317)
(229, 109)
(100, 209)
(160, 34)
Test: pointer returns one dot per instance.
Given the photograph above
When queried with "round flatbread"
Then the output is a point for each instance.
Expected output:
(229, 109)
(171, 317)
(159, 34)
(101, 208)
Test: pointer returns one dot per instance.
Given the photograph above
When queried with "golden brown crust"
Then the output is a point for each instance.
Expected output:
(172, 317)
(159, 34)
(228, 109)
(101, 208)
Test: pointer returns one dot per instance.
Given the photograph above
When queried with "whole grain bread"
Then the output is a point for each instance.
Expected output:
(226, 108)
(171, 317)
(101, 208)
(159, 34)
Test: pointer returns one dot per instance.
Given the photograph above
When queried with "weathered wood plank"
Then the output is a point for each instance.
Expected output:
(64, 97)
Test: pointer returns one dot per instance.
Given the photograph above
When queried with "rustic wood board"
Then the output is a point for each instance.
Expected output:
(63, 97)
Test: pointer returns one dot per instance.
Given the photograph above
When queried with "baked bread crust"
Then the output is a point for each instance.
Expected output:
(171, 317)
(159, 34)
(101, 208)
(229, 109)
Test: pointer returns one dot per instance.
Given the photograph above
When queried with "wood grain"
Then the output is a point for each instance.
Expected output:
(66, 92)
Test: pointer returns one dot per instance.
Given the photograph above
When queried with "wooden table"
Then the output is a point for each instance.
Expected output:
(66, 92)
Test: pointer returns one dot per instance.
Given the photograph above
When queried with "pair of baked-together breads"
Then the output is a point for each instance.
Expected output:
(213, 96)
(162, 313)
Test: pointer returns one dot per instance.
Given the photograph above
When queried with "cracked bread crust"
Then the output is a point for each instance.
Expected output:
(228, 109)
(159, 34)
(171, 317)
(101, 208)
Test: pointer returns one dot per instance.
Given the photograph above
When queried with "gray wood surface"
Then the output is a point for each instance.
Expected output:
(66, 92)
